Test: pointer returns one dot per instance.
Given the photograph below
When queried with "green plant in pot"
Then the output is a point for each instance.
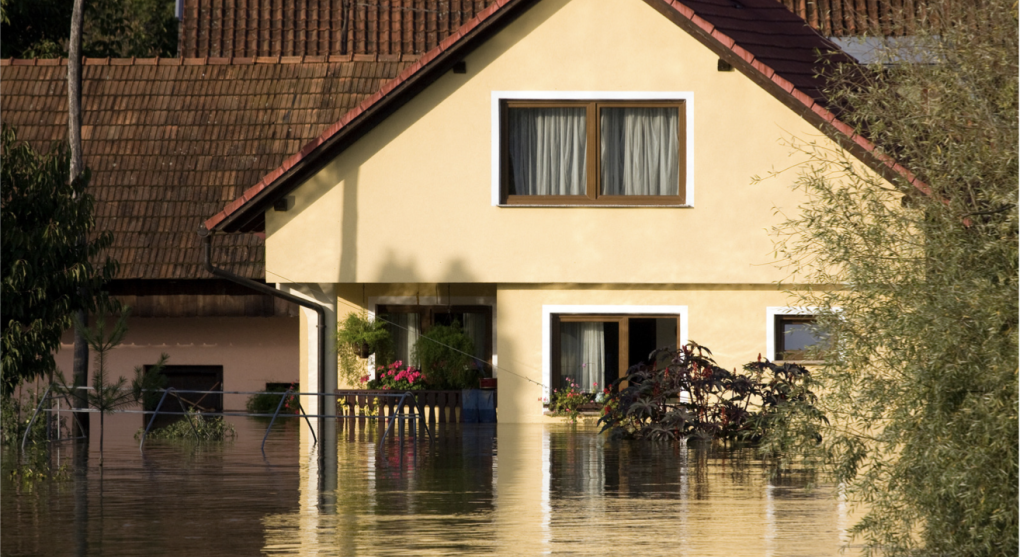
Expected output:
(357, 338)
(444, 354)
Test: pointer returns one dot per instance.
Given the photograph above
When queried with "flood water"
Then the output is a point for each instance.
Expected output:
(502, 490)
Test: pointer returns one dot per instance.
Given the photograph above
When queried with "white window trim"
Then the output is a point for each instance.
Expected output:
(686, 96)
(549, 310)
(770, 324)
(376, 301)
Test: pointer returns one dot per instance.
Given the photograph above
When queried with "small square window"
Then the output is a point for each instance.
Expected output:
(798, 339)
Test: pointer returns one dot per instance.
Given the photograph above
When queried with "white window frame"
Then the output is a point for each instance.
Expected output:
(549, 310)
(770, 324)
(686, 96)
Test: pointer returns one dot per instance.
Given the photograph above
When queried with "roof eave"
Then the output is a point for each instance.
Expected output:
(247, 213)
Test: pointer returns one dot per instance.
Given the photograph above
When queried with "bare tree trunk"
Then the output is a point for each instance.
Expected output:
(81, 349)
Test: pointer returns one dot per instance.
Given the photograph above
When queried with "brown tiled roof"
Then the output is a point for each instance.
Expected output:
(170, 141)
(319, 27)
(760, 37)
(849, 18)
(322, 27)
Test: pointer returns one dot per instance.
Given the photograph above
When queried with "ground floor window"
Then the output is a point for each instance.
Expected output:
(406, 324)
(594, 350)
(794, 335)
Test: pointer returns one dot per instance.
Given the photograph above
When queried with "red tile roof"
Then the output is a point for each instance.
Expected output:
(170, 141)
(761, 38)
(320, 27)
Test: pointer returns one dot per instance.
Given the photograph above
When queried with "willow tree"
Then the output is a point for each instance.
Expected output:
(921, 383)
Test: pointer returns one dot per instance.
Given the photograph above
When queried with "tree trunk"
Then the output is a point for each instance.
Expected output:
(81, 349)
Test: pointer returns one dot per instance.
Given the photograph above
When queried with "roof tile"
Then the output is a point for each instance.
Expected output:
(142, 148)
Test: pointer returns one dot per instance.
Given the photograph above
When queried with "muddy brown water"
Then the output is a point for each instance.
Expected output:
(479, 489)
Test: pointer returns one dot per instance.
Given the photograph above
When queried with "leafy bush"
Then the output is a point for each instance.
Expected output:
(208, 429)
(694, 397)
(266, 403)
(354, 334)
(14, 417)
(444, 354)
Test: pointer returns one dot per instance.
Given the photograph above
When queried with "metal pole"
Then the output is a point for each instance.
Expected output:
(272, 421)
(34, 414)
(151, 420)
(187, 416)
(315, 440)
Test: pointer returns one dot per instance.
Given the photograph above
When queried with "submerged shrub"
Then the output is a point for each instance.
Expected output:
(208, 428)
(267, 402)
(691, 396)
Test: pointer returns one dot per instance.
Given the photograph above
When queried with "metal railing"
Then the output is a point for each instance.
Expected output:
(415, 416)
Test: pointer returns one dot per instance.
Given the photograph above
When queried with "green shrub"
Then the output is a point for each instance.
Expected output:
(354, 333)
(444, 354)
(14, 417)
(266, 403)
(209, 428)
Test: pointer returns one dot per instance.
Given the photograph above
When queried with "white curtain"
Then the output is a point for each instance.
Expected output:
(547, 151)
(404, 330)
(640, 151)
(474, 326)
(582, 354)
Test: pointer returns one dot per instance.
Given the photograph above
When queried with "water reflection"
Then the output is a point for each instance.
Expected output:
(507, 490)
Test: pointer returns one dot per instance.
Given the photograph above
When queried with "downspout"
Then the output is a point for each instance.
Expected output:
(266, 289)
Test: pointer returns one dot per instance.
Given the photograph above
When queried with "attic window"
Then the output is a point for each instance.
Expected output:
(592, 152)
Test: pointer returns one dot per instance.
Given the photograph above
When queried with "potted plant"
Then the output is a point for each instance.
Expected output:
(361, 334)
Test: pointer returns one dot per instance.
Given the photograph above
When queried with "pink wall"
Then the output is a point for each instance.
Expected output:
(252, 350)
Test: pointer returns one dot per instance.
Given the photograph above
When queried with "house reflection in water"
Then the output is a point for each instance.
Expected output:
(539, 489)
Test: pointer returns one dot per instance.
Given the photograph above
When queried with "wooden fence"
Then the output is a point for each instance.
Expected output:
(363, 405)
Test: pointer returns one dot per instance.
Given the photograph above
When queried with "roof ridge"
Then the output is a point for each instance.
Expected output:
(215, 61)
(810, 103)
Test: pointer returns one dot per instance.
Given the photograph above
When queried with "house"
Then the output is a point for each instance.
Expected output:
(168, 141)
(571, 176)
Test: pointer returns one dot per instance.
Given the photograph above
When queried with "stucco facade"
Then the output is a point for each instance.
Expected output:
(412, 209)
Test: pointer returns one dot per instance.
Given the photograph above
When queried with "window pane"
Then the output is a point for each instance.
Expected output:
(547, 148)
(799, 337)
(640, 151)
(582, 354)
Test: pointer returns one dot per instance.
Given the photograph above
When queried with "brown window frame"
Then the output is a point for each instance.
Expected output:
(593, 171)
(798, 356)
(623, 340)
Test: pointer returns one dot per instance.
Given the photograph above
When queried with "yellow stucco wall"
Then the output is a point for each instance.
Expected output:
(411, 201)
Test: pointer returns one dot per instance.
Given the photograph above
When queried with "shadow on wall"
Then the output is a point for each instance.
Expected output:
(395, 269)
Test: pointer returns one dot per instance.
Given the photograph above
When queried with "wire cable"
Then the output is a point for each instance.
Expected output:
(398, 326)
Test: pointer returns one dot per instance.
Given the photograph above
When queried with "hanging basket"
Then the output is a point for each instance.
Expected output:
(362, 350)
